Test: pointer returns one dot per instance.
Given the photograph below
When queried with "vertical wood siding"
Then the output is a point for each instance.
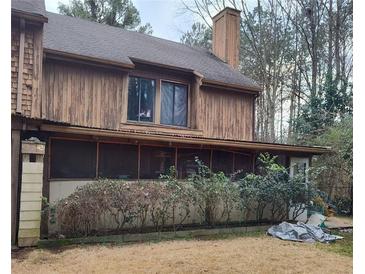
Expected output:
(82, 95)
(96, 97)
(226, 115)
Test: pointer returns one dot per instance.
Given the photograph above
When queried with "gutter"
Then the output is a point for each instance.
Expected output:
(29, 15)
(55, 54)
(234, 87)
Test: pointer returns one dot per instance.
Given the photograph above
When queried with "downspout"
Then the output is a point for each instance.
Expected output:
(20, 67)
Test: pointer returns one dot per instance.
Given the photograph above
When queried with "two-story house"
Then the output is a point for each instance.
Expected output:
(120, 104)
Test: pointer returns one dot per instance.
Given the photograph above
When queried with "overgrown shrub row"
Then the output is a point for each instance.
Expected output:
(213, 195)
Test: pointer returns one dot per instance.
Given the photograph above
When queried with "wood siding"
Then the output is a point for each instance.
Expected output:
(27, 71)
(83, 95)
(96, 97)
(226, 115)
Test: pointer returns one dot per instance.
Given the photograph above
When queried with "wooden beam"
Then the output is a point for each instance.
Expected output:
(97, 160)
(124, 110)
(45, 187)
(253, 118)
(15, 158)
(157, 112)
(176, 158)
(20, 67)
(194, 99)
(211, 160)
(139, 162)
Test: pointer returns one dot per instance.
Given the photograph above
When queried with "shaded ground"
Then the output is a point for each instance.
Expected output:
(228, 254)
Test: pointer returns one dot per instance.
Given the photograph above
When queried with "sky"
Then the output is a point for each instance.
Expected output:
(166, 16)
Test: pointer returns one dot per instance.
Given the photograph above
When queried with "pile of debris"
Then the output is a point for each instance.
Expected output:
(316, 229)
(301, 232)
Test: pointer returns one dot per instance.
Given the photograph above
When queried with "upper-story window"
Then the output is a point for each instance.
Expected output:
(141, 99)
(174, 104)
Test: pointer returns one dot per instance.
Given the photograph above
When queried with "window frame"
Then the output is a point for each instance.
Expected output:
(181, 83)
(159, 78)
(139, 99)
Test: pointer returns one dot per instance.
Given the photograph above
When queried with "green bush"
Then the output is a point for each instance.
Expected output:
(274, 189)
(211, 190)
(343, 205)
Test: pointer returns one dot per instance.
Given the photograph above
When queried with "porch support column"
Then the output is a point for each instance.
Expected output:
(31, 192)
(15, 154)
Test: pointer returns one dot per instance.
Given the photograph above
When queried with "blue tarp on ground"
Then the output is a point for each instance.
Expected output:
(301, 232)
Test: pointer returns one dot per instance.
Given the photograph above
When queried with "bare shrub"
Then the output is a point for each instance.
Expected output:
(79, 213)
(214, 195)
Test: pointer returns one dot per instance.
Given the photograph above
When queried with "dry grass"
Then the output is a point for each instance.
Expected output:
(238, 255)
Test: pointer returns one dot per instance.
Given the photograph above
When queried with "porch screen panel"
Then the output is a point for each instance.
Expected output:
(282, 160)
(141, 99)
(118, 161)
(72, 159)
(186, 164)
(222, 161)
(155, 161)
(243, 163)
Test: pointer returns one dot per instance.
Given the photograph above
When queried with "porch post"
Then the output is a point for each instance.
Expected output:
(15, 153)
(31, 192)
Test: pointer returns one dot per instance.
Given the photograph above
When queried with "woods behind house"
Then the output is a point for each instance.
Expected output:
(300, 51)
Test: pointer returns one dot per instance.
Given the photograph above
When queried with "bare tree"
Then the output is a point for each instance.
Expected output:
(300, 51)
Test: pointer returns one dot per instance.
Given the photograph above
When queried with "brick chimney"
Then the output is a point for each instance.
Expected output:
(226, 36)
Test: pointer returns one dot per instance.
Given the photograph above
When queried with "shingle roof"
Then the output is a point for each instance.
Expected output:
(31, 7)
(85, 38)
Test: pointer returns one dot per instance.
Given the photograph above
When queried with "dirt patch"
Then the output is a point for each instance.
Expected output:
(338, 222)
(253, 255)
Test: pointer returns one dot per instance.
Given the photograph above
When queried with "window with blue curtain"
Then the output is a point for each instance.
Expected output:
(174, 104)
(141, 99)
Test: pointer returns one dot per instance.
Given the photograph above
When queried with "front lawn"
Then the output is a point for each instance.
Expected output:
(236, 253)
(342, 247)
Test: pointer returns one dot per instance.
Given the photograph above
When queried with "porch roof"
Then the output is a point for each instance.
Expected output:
(186, 139)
